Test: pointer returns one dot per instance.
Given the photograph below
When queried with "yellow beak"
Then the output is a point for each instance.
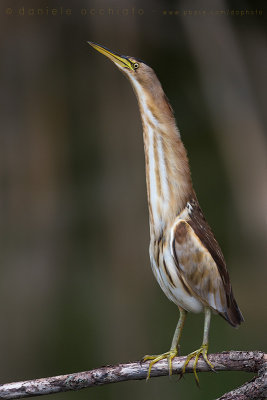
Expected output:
(115, 58)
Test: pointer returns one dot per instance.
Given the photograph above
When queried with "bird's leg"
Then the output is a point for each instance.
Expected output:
(174, 346)
(203, 349)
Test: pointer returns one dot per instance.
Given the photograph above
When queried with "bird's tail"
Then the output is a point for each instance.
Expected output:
(233, 314)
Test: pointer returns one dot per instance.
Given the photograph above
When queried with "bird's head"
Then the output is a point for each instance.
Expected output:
(124, 63)
(136, 70)
(146, 85)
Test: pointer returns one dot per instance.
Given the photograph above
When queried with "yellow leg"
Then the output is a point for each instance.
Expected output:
(174, 346)
(202, 350)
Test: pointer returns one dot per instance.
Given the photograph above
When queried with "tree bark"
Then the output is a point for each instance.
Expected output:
(250, 361)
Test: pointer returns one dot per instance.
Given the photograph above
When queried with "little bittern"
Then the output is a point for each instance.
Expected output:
(186, 259)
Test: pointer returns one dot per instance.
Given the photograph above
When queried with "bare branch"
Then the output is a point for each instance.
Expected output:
(250, 361)
(256, 389)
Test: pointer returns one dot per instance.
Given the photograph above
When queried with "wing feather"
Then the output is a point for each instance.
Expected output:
(200, 260)
(198, 267)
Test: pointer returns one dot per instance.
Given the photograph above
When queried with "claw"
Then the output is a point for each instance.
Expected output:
(204, 351)
(154, 359)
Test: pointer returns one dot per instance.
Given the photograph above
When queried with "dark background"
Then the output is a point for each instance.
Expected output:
(76, 288)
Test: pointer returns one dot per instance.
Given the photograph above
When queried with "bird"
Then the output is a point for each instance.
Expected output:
(186, 259)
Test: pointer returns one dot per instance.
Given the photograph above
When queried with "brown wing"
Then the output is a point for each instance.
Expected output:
(200, 259)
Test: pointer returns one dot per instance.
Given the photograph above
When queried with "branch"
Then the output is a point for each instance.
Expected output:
(249, 361)
(255, 389)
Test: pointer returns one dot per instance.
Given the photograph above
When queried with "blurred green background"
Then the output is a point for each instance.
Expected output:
(76, 288)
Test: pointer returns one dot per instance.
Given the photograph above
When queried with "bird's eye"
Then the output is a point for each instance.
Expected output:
(136, 65)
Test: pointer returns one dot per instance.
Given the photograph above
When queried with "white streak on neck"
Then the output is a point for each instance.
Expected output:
(163, 176)
(153, 191)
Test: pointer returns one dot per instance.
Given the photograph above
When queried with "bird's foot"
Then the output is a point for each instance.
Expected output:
(202, 350)
(154, 359)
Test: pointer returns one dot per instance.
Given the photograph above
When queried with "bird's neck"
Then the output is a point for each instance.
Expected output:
(168, 179)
